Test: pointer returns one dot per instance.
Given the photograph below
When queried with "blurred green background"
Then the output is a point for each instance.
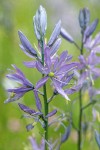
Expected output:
(17, 15)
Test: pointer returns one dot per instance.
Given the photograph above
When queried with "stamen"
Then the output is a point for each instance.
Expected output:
(64, 82)
(66, 71)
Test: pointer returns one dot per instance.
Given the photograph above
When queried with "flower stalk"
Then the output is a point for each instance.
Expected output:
(80, 105)
(45, 98)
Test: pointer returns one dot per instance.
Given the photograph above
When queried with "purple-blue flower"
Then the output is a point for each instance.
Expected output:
(26, 86)
(90, 67)
(18, 92)
(56, 69)
(93, 43)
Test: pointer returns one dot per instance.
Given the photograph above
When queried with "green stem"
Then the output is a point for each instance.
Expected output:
(80, 121)
(76, 45)
(45, 98)
(50, 99)
(80, 107)
(45, 113)
(89, 104)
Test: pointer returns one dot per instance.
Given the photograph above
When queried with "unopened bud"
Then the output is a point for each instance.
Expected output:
(84, 18)
(40, 22)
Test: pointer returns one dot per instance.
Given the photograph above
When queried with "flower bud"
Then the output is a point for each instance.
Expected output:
(51, 113)
(66, 35)
(55, 33)
(90, 29)
(40, 22)
(84, 18)
(29, 127)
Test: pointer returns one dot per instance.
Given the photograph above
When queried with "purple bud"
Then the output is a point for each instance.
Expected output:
(90, 29)
(65, 136)
(29, 127)
(97, 137)
(66, 35)
(55, 33)
(26, 109)
(41, 82)
(84, 18)
(55, 47)
(51, 113)
(26, 45)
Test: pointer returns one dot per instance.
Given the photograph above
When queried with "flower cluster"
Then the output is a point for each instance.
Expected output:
(58, 69)
(64, 76)
(90, 60)
(89, 65)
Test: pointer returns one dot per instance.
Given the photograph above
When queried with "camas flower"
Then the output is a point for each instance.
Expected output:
(93, 44)
(26, 85)
(89, 64)
(91, 71)
(93, 92)
(55, 69)
(18, 92)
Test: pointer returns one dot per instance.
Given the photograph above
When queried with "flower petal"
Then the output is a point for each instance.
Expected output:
(41, 68)
(66, 68)
(30, 64)
(26, 109)
(93, 59)
(37, 99)
(14, 98)
(66, 79)
(41, 82)
(55, 47)
(26, 44)
(73, 89)
(18, 71)
(96, 71)
(47, 57)
(20, 89)
(59, 89)
(51, 113)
